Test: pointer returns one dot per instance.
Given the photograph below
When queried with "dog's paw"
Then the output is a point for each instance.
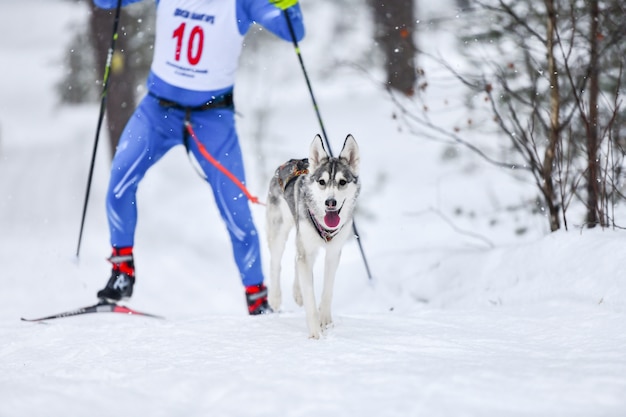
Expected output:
(326, 319)
(315, 329)
(314, 334)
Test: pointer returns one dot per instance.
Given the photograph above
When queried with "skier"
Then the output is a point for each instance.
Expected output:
(196, 51)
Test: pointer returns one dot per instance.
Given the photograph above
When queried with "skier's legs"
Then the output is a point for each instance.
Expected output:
(147, 136)
(216, 131)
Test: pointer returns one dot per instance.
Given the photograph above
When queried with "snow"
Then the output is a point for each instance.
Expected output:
(474, 309)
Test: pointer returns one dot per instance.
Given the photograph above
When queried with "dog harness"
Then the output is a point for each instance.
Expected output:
(324, 233)
(290, 170)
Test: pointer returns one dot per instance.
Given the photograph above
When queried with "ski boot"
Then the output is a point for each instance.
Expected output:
(256, 296)
(120, 285)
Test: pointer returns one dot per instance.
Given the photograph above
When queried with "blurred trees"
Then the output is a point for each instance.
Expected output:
(129, 66)
(120, 100)
(551, 73)
(554, 88)
(395, 29)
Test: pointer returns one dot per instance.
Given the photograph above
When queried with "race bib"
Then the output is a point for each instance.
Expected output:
(197, 43)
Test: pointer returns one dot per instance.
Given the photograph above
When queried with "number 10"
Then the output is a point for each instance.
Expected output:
(194, 43)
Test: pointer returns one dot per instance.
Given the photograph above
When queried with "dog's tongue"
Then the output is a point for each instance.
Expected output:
(331, 219)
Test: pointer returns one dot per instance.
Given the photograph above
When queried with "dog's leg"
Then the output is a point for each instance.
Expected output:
(279, 224)
(305, 262)
(331, 263)
(276, 243)
(297, 292)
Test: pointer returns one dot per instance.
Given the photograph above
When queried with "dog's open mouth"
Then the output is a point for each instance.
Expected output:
(332, 218)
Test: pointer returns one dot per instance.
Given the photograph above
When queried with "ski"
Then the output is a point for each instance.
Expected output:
(101, 307)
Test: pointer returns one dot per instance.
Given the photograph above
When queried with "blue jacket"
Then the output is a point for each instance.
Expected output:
(247, 13)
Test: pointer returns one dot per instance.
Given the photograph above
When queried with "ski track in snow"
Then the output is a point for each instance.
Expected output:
(435, 362)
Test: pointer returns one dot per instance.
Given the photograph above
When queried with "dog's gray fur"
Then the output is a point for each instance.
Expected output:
(318, 196)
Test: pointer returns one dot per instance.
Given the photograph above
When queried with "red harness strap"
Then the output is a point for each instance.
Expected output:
(219, 166)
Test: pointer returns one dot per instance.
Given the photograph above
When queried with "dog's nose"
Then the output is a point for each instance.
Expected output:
(331, 203)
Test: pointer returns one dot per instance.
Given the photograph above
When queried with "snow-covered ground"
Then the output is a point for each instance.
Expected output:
(474, 310)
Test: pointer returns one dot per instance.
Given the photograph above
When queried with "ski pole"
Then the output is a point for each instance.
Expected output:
(319, 119)
(105, 86)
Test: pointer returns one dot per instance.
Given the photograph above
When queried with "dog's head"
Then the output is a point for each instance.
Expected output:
(334, 182)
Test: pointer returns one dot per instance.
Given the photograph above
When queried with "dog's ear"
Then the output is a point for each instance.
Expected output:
(316, 153)
(350, 153)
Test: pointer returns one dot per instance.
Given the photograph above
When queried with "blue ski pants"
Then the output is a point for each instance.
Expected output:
(150, 133)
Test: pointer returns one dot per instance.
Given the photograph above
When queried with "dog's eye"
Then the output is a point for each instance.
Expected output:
(342, 183)
(322, 182)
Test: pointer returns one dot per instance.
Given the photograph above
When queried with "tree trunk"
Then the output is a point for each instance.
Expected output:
(594, 209)
(395, 27)
(120, 101)
(554, 128)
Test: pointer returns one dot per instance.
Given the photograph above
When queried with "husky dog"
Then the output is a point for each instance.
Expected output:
(318, 196)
